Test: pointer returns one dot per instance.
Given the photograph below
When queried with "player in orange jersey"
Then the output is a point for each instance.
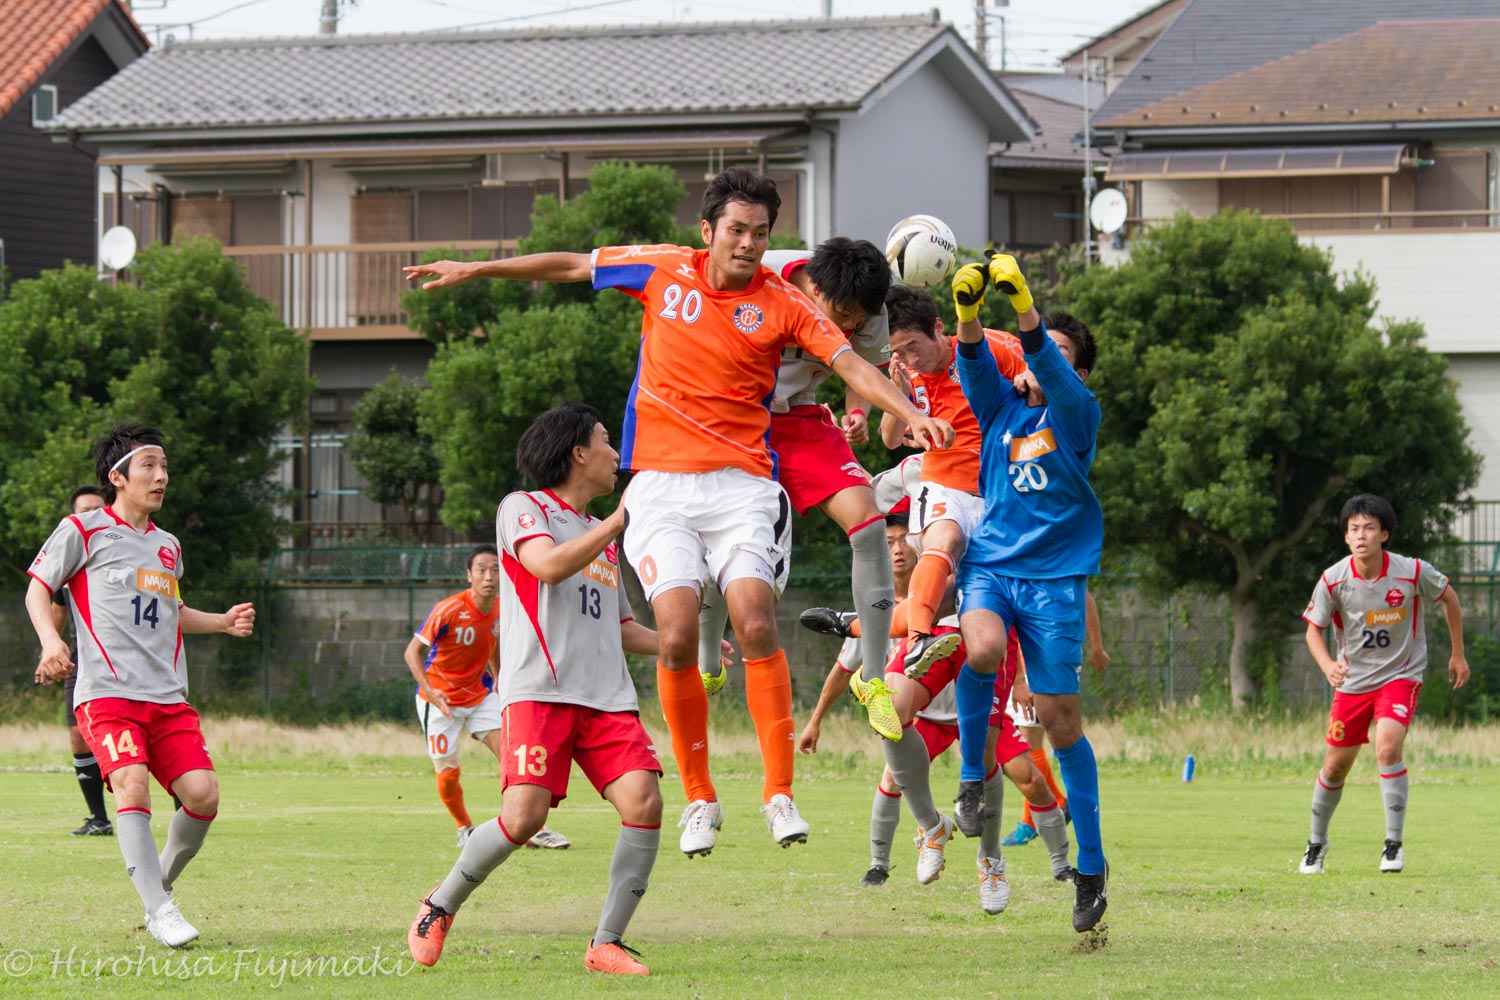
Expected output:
(704, 506)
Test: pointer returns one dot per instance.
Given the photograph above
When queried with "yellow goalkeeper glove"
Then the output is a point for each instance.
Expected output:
(1007, 276)
(968, 291)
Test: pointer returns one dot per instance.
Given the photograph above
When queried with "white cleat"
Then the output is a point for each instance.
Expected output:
(1312, 861)
(930, 857)
(549, 839)
(994, 891)
(170, 927)
(786, 823)
(700, 822)
(463, 835)
(1392, 858)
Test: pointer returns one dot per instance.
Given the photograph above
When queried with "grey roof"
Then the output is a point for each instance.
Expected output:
(1213, 39)
(1058, 86)
(662, 70)
(1056, 144)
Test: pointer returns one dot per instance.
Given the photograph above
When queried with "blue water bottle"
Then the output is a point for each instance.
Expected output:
(1188, 767)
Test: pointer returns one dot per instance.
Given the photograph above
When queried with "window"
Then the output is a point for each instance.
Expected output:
(43, 104)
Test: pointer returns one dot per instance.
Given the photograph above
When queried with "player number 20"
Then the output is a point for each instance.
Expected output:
(1027, 477)
(1376, 637)
(691, 303)
(537, 766)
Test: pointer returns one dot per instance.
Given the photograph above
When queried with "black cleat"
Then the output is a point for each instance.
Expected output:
(1068, 874)
(875, 876)
(968, 809)
(827, 621)
(1089, 901)
(94, 827)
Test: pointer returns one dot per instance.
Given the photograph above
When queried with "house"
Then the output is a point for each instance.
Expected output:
(1374, 126)
(326, 163)
(52, 53)
(1113, 56)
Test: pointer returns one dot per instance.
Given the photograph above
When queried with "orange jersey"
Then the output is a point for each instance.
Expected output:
(940, 397)
(460, 640)
(708, 359)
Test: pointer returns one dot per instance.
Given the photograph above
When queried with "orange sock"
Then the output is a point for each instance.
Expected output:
(768, 694)
(1039, 758)
(452, 794)
(928, 581)
(684, 705)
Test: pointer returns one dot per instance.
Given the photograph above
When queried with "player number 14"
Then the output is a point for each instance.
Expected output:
(145, 613)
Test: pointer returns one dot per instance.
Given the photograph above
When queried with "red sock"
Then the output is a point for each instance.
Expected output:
(925, 593)
(452, 794)
(768, 695)
(684, 705)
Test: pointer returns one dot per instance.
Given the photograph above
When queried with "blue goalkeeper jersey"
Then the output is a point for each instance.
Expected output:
(1041, 518)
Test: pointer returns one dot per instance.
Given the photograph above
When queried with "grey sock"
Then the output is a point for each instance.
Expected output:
(713, 615)
(629, 871)
(133, 831)
(1325, 801)
(1052, 828)
(1394, 785)
(994, 797)
(184, 837)
(487, 847)
(910, 766)
(885, 816)
(874, 595)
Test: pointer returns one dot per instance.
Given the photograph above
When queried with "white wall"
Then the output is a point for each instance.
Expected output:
(1164, 199)
(1478, 377)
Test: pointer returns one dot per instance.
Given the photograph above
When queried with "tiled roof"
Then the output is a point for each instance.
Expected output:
(455, 77)
(34, 34)
(1407, 71)
(1058, 122)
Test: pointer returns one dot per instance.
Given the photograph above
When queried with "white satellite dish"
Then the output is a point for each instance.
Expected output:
(117, 248)
(1108, 210)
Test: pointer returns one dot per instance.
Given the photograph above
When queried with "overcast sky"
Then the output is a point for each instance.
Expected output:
(1036, 31)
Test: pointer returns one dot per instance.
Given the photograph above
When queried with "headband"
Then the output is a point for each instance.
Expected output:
(126, 457)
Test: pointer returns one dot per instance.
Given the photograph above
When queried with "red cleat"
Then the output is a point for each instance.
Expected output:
(613, 957)
(428, 931)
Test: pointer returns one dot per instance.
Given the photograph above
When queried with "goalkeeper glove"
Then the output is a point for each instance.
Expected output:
(968, 291)
(1007, 276)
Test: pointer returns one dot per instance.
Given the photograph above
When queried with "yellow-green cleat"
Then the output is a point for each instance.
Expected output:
(876, 698)
(714, 683)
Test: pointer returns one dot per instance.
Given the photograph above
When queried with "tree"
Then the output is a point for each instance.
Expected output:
(389, 450)
(190, 349)
(1245, 396)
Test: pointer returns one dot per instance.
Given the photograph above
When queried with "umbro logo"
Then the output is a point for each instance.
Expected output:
(878, 843)
(637, 893)
(113, 537)
(470, 878)
(1397, 808)
(883, 604)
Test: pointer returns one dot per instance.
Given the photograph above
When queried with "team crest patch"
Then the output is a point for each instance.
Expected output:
(526, 521)
(167, 556)
(748, 317)
(1394, 597)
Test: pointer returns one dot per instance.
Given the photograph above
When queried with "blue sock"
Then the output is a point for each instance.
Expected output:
(1080, 774)
(976, 699)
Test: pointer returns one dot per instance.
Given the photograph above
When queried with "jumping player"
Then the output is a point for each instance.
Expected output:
(1376, 600)
(122, 574)
(704, 507)
(565, 690)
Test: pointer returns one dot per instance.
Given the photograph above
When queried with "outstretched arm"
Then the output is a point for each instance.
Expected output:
(1458, 666)
(865, 379)
(238, 621)
(531, 267)
(833, 686)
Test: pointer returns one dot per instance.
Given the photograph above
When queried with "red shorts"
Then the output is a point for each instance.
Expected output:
(542, 739)
(943, 672)
(813, 461)
(166, 738)
(1349, 721)
(938, 736)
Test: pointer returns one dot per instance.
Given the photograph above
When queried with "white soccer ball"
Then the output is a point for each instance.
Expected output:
(922, 251)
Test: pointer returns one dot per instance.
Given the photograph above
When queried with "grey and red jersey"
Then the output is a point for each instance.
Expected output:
(559, 642)
(800, 374)
(1381, 621)
(122, 585)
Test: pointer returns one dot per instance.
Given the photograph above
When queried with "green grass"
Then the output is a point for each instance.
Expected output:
(323, 855)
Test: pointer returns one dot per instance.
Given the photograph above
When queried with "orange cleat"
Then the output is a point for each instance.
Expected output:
(428, 931)
(613, 957)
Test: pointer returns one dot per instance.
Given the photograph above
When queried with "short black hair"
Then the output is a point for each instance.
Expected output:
(116, 443)
(482, 549)
(1085, 348)
(902, 520)
(1368, 503)
(544, 455)
(86, 490)
(911, 309)
(850, 273)
(739, 184)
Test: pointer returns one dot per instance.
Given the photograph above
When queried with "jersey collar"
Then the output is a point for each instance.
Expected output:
(1385, 565)
(150, 525)
(561, 502)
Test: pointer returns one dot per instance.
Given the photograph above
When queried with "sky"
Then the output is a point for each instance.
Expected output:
(1036, 32)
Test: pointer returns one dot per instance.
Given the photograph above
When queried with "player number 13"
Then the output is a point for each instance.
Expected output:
(537, 766)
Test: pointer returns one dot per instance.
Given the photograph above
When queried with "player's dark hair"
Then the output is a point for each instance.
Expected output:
(850, 273)
(114, 445)
(1368, 503)
(902, 520)
(911, 309)
(544, 455)
(1085, 349)
(739, 184)
(86, 490)
(482, 549)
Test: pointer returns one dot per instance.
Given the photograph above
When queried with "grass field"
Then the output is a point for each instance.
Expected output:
(328, 838)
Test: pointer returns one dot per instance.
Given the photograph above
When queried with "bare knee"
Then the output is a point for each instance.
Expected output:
(678, 643)
(441, 764)
(199, 792)
(757, 634)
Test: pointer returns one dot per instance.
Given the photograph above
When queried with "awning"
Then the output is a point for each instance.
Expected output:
(1290, 161)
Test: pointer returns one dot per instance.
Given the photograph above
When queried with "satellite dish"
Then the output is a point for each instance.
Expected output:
(1107, 211)
(117, 248)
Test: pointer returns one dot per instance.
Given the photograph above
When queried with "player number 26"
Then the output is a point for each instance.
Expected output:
(1027, 477)
(1376, 637)
(537, 766)
(691, 304)
(1336, 731)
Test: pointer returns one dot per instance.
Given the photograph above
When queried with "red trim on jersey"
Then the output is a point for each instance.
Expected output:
(864, 524)
(889, 795)
(526, 538)
(177, 649)
(993, 771)
(1398, 774)
(150, 525)
(78, 590)
(640, 826)
(1304, 618)
(564, 504)
(40, 580)
(791, 267)
(528, 591)
(1385, 564)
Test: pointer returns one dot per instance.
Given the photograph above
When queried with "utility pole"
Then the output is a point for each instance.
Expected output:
(1088, 166)
(981, 32)
(328, 21)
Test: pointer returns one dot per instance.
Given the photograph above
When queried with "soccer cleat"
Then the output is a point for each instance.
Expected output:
(1392, 859)
(1023, 834)
(700, 822)
(550, 840)
(875, 876)
(994, 891)
(1067, 873)
(428, 932)
(93, 827)
(463, 835)
(1312, 861)
(169, 926)
(1088, 899)
(930, 857)
(714, 683)
(923, 650)
(786, 823)
(614, 957)
(876, 697)
(827, 621)
(969, 813)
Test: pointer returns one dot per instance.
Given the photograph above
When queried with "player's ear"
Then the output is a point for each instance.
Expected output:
(1083, 374)
(707, 229)
(937, 329)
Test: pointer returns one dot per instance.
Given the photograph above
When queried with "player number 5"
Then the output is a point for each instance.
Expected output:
(538, 765)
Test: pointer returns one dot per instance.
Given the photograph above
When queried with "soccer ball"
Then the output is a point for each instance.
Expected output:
(922, 251)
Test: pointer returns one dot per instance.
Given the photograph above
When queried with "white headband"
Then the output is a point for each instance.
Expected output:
(126, 457)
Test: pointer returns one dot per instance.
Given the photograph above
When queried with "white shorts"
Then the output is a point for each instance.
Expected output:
(1023, 718)
(442, 734)
(931, 503)
(690, 529)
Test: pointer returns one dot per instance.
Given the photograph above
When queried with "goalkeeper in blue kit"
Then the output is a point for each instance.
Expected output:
(1028, 564)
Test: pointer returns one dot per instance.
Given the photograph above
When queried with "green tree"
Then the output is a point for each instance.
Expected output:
(190, 349)
(1245, 396)
(389, 450)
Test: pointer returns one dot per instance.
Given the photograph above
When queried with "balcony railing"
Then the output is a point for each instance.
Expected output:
(1393, 221)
